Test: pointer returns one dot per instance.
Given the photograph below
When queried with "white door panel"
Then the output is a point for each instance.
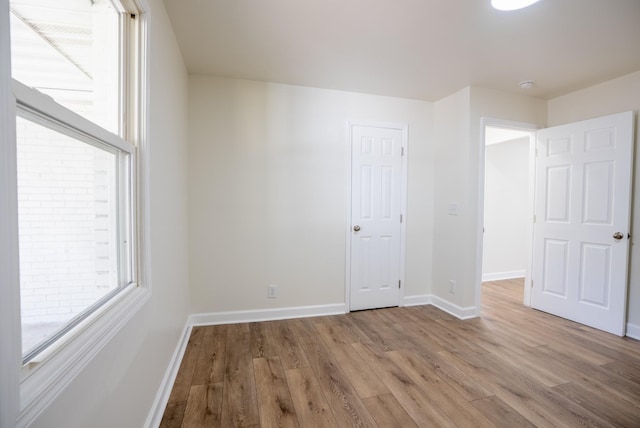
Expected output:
(583, 192)
(376, 198)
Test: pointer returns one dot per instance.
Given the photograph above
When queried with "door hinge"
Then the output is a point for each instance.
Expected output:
(400, 218)
(399, 283)
(534, 218)
(532, 283)
(401, 151)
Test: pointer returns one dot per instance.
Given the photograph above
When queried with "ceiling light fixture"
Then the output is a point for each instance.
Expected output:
(527, 84)
(511, 4)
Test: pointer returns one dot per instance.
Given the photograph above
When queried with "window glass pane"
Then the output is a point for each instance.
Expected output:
(68, 230)
(68, 49)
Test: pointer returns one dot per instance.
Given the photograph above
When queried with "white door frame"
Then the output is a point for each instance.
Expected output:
(403, 204)
(521, 126)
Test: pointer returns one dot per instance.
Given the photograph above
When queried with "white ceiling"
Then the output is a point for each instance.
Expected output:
(423, 49)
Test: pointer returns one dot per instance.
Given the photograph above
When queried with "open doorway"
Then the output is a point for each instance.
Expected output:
(506, 213)
(579, 256)
(506, 186)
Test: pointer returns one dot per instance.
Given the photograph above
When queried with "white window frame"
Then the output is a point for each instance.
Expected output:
(26, 391)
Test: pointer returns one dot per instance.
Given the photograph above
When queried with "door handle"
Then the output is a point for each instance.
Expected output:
(618, 236)
(356, 228)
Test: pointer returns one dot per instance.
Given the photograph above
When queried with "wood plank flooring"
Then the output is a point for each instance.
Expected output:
(409, 367)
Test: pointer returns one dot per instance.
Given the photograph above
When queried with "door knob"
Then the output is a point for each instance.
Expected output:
(356, 228)
(618, 235)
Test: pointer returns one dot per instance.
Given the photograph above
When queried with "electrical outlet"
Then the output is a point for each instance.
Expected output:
(452, 286)
(272, 291)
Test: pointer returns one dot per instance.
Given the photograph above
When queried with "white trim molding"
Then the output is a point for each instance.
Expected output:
(232, 317)
(9, 279)
(417, 300)
(164, 391)
(444, 305)
(497, 276)
(453, 309)
(633, 331)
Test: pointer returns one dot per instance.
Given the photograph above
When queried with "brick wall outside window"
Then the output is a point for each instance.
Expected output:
(67, 235)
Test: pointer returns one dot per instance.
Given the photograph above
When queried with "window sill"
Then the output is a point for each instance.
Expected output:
(45, 377)
(50, 352)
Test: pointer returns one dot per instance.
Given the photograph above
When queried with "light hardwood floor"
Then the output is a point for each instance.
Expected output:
(408, 367)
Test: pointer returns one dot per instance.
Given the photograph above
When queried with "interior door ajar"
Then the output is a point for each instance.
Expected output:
(376, 199)
(582, 221)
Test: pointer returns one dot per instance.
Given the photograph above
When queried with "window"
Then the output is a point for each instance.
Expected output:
(75, 181)
(77, 84)
(73, 220)
(69, 50)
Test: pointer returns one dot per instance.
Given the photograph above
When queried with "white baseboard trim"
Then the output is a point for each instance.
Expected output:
(164, 391)
(633, 331)
(453, 309)
(417, 300)
(214, 318)
(497, 276)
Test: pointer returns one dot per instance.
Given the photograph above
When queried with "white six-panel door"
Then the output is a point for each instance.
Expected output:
(376, 199)
(582, 221)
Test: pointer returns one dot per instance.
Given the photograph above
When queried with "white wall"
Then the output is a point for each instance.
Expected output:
(614, 96)
(451, 119)
(117, 388)
(267, 192)
(506, 204)
(458, 135)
